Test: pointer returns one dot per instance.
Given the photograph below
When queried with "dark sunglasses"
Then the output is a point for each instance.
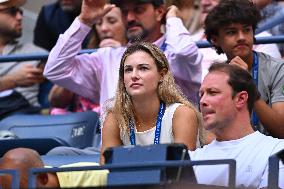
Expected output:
(12, 11)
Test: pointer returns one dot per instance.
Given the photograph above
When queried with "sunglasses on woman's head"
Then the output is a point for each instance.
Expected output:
(12, 11)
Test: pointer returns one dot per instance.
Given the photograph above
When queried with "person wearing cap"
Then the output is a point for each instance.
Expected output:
(95, 75)
(19, 81)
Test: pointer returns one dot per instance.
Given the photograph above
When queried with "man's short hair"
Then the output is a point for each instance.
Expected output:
(228, 12)
(239, 80)
(156, 3)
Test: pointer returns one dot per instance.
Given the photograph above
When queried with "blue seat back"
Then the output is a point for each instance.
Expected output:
(44, 89)
(41, 145)
(76, 129)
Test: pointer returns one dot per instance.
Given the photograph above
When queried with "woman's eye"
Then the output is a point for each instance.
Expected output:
(99, 22)
(112, 20)
(144, 68)
(126, 70)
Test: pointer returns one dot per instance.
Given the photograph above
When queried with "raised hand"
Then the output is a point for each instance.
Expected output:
(173, 11)
(109, 43)
(239, 62)
(92, 10)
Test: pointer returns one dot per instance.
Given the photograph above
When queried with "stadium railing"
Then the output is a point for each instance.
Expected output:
(273, 177)
(200, 44)
(141, 166)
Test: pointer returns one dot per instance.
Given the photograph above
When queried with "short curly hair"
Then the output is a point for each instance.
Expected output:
(228, 12)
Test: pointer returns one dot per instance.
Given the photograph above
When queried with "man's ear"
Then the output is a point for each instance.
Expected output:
(42, 179)
(241, 99)
(214, 40)
(47, 180)
(161, 13)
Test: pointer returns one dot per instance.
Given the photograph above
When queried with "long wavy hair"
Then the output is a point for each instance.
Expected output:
(167, 91)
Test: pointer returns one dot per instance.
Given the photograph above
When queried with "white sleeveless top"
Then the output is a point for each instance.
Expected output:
(147, 137)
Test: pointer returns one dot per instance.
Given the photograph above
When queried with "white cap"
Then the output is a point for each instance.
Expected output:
(12, 3)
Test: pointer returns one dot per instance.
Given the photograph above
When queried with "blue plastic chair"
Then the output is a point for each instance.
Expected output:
(76, 129)
(41, 145)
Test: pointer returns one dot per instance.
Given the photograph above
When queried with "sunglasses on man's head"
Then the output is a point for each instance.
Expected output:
(12, 11)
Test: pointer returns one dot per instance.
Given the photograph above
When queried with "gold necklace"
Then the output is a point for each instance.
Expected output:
(139, 125)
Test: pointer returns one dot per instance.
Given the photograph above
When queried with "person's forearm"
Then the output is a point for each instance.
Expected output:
(63, 55)
(186, 61)
(67, 69)
(271, 119)
(184, 58)
(7, 82)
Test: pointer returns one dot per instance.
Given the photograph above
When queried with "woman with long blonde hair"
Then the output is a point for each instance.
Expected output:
(148, 107)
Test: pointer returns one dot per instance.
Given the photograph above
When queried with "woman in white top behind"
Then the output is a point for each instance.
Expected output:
(148, 107)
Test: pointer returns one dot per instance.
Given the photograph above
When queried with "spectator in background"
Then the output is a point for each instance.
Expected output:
(227, 97)
(235, 38)
(260, 4)
(108, 31)
(148, 107)
(211, 55)
(269, 9)
(189, 12)
(53, 20)
(19, 81)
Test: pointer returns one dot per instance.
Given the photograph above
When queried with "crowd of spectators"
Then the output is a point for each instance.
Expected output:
(147, 78)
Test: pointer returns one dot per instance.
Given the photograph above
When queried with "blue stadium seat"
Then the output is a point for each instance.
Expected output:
(151, 153)
(76, 129)
(44, 89)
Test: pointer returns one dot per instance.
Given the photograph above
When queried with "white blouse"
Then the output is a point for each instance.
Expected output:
(147, 137)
